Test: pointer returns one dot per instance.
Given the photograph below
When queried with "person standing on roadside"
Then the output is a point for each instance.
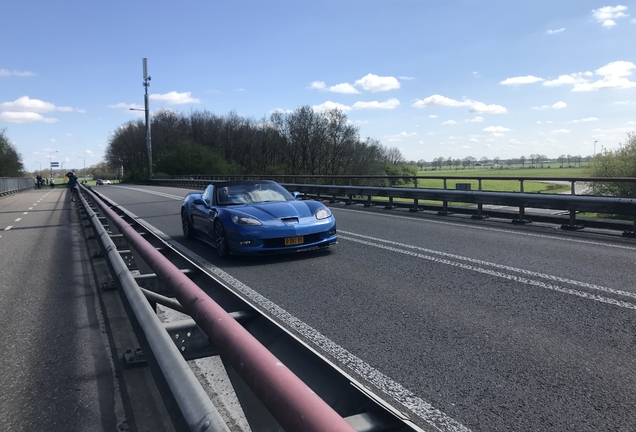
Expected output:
(72, 184)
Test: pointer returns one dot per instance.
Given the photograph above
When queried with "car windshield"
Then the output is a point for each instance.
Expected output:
(252, 193)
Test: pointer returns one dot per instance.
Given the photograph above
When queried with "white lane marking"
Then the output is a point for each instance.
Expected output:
(8, 228)
(455, 224)
(25, 213)
(18, 219)
(165, 195)
(30, 208)
(539, 284)
(427, 412)
(498, 266)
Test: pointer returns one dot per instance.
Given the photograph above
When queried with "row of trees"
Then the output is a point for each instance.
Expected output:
(617, 163)
(534, 161)
(299, 142)
(10, 160)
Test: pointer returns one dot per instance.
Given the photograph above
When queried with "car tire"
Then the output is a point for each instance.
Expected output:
(220, 240)
(186, 225)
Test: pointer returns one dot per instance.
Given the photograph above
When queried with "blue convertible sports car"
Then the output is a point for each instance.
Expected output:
(249, 217)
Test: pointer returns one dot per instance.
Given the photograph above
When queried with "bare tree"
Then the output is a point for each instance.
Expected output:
(10, 160)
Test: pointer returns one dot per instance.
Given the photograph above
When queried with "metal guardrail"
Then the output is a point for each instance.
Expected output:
(9, 185)
(294, 406)
(571, 203)
(195, 405)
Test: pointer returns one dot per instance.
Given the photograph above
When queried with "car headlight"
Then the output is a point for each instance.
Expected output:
(245, 220)
(322, 213)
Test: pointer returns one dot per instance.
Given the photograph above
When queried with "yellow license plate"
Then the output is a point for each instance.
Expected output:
(294, 241)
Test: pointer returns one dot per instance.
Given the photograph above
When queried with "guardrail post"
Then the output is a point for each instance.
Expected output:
(480, 207)
(444, 211)
(572, 226)
(522, 210)
(390, 205)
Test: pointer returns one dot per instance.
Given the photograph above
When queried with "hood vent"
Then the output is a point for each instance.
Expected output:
(290, 220)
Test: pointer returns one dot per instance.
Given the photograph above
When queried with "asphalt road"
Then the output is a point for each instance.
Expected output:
(55, 369)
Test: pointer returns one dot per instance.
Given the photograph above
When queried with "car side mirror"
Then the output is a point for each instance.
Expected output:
(297, 195)
(199, 201)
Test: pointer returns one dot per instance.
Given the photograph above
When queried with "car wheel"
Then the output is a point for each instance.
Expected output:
(220, 240)
(186, 225)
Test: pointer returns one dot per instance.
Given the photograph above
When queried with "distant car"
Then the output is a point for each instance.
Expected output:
(102, 182)
(251, 217)
(106, 181)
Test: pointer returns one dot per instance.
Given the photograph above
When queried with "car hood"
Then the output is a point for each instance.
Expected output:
(278, 210)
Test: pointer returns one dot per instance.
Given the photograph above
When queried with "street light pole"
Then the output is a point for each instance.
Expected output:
(595, 147)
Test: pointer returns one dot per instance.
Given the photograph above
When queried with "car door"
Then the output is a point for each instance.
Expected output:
(200, 208)
(205, 213)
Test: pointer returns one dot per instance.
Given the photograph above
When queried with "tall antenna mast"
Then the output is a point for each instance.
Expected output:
(147, 109)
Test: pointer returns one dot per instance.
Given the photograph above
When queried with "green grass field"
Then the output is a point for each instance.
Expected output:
(509, 172)
(503, 185)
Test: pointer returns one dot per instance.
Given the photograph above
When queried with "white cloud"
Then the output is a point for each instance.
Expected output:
(514, 142)
(559, 105)
(474, 106)
(6, 73)
(560, 131)
(614, 75)
(390, 104)
(329, 105)
(343, 88)
(572, 79)
(528, 79)
(375, 83)
(370, 82)
(449, 122)
(432, 116)
(477, 119)
(606, 15)
(625, 102)
(585, 120)
(27, 110)
(480, 107)
(475, 140)
(551, 32)
(496, 130)
(174, 98)
(24, 117)
(25, 104)
(400, 136)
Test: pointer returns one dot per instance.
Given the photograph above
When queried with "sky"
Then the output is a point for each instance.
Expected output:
(434, 78)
